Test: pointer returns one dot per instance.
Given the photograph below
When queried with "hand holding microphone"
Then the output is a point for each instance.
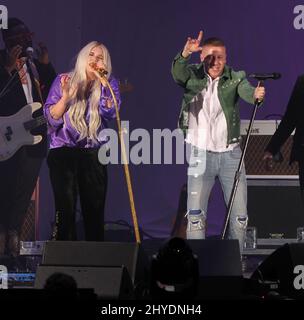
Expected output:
(100, 73)
(41, 52)
(259, 94)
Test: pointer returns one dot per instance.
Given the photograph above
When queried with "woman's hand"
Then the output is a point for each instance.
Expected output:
(65, 86)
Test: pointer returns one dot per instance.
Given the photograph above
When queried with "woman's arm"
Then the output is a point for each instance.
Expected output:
(55, 105)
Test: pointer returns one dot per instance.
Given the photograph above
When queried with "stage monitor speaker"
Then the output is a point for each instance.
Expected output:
(97, 254)
(280, 267)
(275, 208)
(220, 268)
(217, 257)
(107, 282)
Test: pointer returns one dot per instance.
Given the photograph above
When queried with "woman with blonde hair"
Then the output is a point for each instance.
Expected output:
(77, 110)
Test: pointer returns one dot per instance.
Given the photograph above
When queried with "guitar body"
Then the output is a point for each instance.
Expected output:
(14, 133)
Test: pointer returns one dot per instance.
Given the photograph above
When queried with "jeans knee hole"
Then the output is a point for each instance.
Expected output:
(242, 221)
(197, 211)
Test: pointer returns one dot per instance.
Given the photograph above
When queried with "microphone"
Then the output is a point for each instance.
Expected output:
(30, 53)
(102, 72)
(265, 76)
(30, 60)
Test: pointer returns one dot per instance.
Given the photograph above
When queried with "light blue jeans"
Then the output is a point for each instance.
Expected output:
(204, 167)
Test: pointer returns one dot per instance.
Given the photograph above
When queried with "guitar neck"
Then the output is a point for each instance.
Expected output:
(34, 123)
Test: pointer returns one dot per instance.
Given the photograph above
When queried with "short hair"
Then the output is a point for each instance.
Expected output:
(217, 42)
(11, 23)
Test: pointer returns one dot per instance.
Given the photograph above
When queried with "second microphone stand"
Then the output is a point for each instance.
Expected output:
(240, 166)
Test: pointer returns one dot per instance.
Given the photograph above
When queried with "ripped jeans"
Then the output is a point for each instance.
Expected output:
(204, 167)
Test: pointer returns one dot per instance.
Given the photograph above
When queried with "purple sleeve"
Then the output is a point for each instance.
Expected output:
(54, 96)
(109, 113)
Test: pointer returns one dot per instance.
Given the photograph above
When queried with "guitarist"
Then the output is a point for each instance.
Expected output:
(23, 80)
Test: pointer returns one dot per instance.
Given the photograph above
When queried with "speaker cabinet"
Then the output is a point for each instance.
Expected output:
(107, 282)
(99, 254)
(275, 208)
(280, 267)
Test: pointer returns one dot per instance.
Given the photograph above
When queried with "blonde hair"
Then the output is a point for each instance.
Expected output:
(78, 92)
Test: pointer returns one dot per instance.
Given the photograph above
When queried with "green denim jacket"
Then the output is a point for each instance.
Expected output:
(232, 85)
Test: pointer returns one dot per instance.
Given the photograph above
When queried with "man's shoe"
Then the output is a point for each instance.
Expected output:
(196, 225)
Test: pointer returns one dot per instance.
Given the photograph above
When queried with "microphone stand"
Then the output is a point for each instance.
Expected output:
(36, 78)
(239, 169)
(101, 75)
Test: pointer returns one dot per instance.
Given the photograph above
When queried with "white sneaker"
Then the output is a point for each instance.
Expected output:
(196, 226)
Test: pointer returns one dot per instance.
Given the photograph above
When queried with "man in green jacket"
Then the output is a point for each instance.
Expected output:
(210, 120)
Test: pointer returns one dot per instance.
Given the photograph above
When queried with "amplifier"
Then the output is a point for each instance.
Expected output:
(31, 248)
(261, 133)
(275, 207)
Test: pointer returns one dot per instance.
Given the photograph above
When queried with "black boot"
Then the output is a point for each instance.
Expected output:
(13, 243)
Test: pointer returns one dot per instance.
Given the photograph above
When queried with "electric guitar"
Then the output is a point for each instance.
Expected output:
(15, 130)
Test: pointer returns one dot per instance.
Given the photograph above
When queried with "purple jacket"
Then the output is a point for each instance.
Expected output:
(63, 134)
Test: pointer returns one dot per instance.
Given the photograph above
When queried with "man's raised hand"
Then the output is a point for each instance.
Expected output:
(192, 45)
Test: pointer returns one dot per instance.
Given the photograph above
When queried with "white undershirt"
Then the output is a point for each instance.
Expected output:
(207, 122)
(27, 88)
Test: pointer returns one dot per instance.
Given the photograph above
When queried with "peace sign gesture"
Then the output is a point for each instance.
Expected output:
(192, 45)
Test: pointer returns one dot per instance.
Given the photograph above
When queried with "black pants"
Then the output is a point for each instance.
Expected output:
(18, 177)
(73, 172)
